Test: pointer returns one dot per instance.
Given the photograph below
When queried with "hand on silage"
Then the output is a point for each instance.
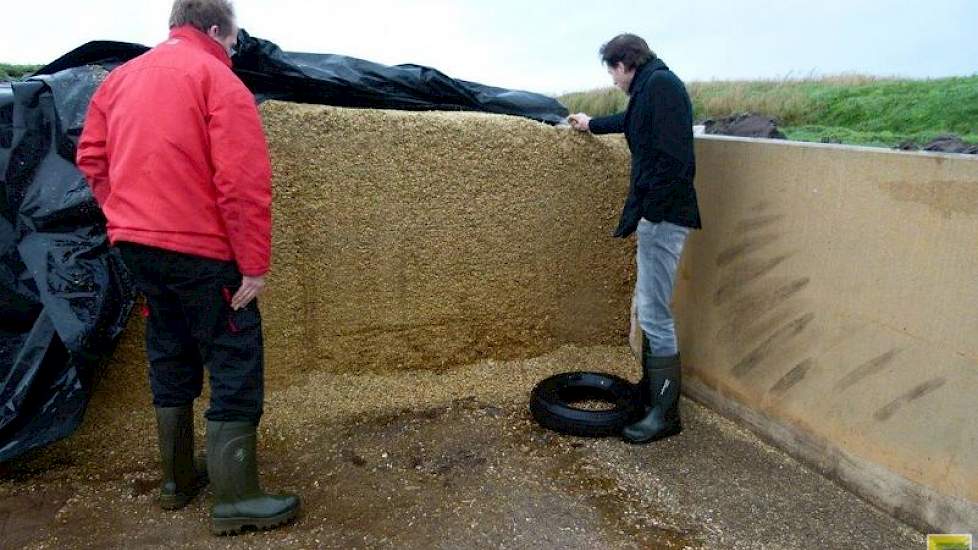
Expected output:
(251, 287)
(580, 122)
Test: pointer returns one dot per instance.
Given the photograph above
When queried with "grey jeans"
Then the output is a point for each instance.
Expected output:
(659, 247)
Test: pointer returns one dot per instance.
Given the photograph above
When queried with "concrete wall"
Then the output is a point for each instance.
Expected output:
(831, 302)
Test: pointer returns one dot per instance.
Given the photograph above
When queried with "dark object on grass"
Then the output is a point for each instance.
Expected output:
(948, 143)
(552, 404)
(745, 125)
(951, 143)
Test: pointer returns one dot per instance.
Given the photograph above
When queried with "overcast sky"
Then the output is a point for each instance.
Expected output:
(551, 46)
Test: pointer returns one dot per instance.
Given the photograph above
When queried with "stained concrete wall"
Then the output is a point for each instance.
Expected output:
(831, 302)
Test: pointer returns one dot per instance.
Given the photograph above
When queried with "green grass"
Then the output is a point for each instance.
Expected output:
(16, 72)
(835, 134)
(853, 109)
(600, 102)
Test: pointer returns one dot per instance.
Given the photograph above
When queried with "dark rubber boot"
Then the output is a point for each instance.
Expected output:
(182, 478)
(239, 502)
(660, 386)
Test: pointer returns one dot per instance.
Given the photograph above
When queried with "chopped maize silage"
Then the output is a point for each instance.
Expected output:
(427, 240)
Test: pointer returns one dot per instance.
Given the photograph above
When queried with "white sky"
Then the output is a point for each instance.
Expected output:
(551, 46)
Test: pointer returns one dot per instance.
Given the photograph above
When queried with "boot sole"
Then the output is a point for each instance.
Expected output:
(171, 504)
(236, 526)
(657, 437)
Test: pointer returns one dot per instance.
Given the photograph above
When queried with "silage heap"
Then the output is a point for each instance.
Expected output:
(430, 240)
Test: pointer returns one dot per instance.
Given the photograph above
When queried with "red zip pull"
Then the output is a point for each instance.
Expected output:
(232, 326)
(144, 311)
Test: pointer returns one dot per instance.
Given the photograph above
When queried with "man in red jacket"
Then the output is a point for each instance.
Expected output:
(174, 151)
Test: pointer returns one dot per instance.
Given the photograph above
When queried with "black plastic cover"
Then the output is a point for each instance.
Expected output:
(326, 79)
(64, 294)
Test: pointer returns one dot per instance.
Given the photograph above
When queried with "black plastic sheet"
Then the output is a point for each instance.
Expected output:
(65, 295)
(326, 79)
(350, 82)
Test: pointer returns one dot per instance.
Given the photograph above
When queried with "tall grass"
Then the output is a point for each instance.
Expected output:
(598, 102)
(788, 100)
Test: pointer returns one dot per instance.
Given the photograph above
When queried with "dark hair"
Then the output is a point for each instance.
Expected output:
(203, 14)
(629, 49)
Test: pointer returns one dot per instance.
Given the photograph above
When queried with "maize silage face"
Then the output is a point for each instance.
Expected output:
(427, 240)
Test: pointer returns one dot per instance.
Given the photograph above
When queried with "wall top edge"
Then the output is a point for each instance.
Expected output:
(834, 146)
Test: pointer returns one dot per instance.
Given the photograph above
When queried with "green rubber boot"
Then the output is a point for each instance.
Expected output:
(239, 502)
(183, 479)
(660, 387)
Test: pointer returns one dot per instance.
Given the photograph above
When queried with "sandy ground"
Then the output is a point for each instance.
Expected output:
(448, 460)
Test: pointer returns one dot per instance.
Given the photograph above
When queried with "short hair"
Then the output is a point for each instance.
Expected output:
(628, 49)
(203, 14)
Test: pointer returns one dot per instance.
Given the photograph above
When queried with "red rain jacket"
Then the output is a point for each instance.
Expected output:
(174, 151)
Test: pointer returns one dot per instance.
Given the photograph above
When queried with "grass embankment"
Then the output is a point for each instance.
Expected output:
(851, 108)
(15, 72)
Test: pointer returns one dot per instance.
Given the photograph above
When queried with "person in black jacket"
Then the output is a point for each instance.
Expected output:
(661, 207)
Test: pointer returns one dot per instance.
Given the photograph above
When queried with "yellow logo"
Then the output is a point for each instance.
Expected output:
(949, 542)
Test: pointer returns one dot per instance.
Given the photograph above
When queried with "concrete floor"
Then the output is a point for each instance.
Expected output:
(468, 469)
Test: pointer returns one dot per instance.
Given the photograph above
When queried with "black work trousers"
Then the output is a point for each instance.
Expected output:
(190, 324)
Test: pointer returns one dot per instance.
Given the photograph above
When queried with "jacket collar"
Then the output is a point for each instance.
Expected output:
(200, 41)
(644, 72)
